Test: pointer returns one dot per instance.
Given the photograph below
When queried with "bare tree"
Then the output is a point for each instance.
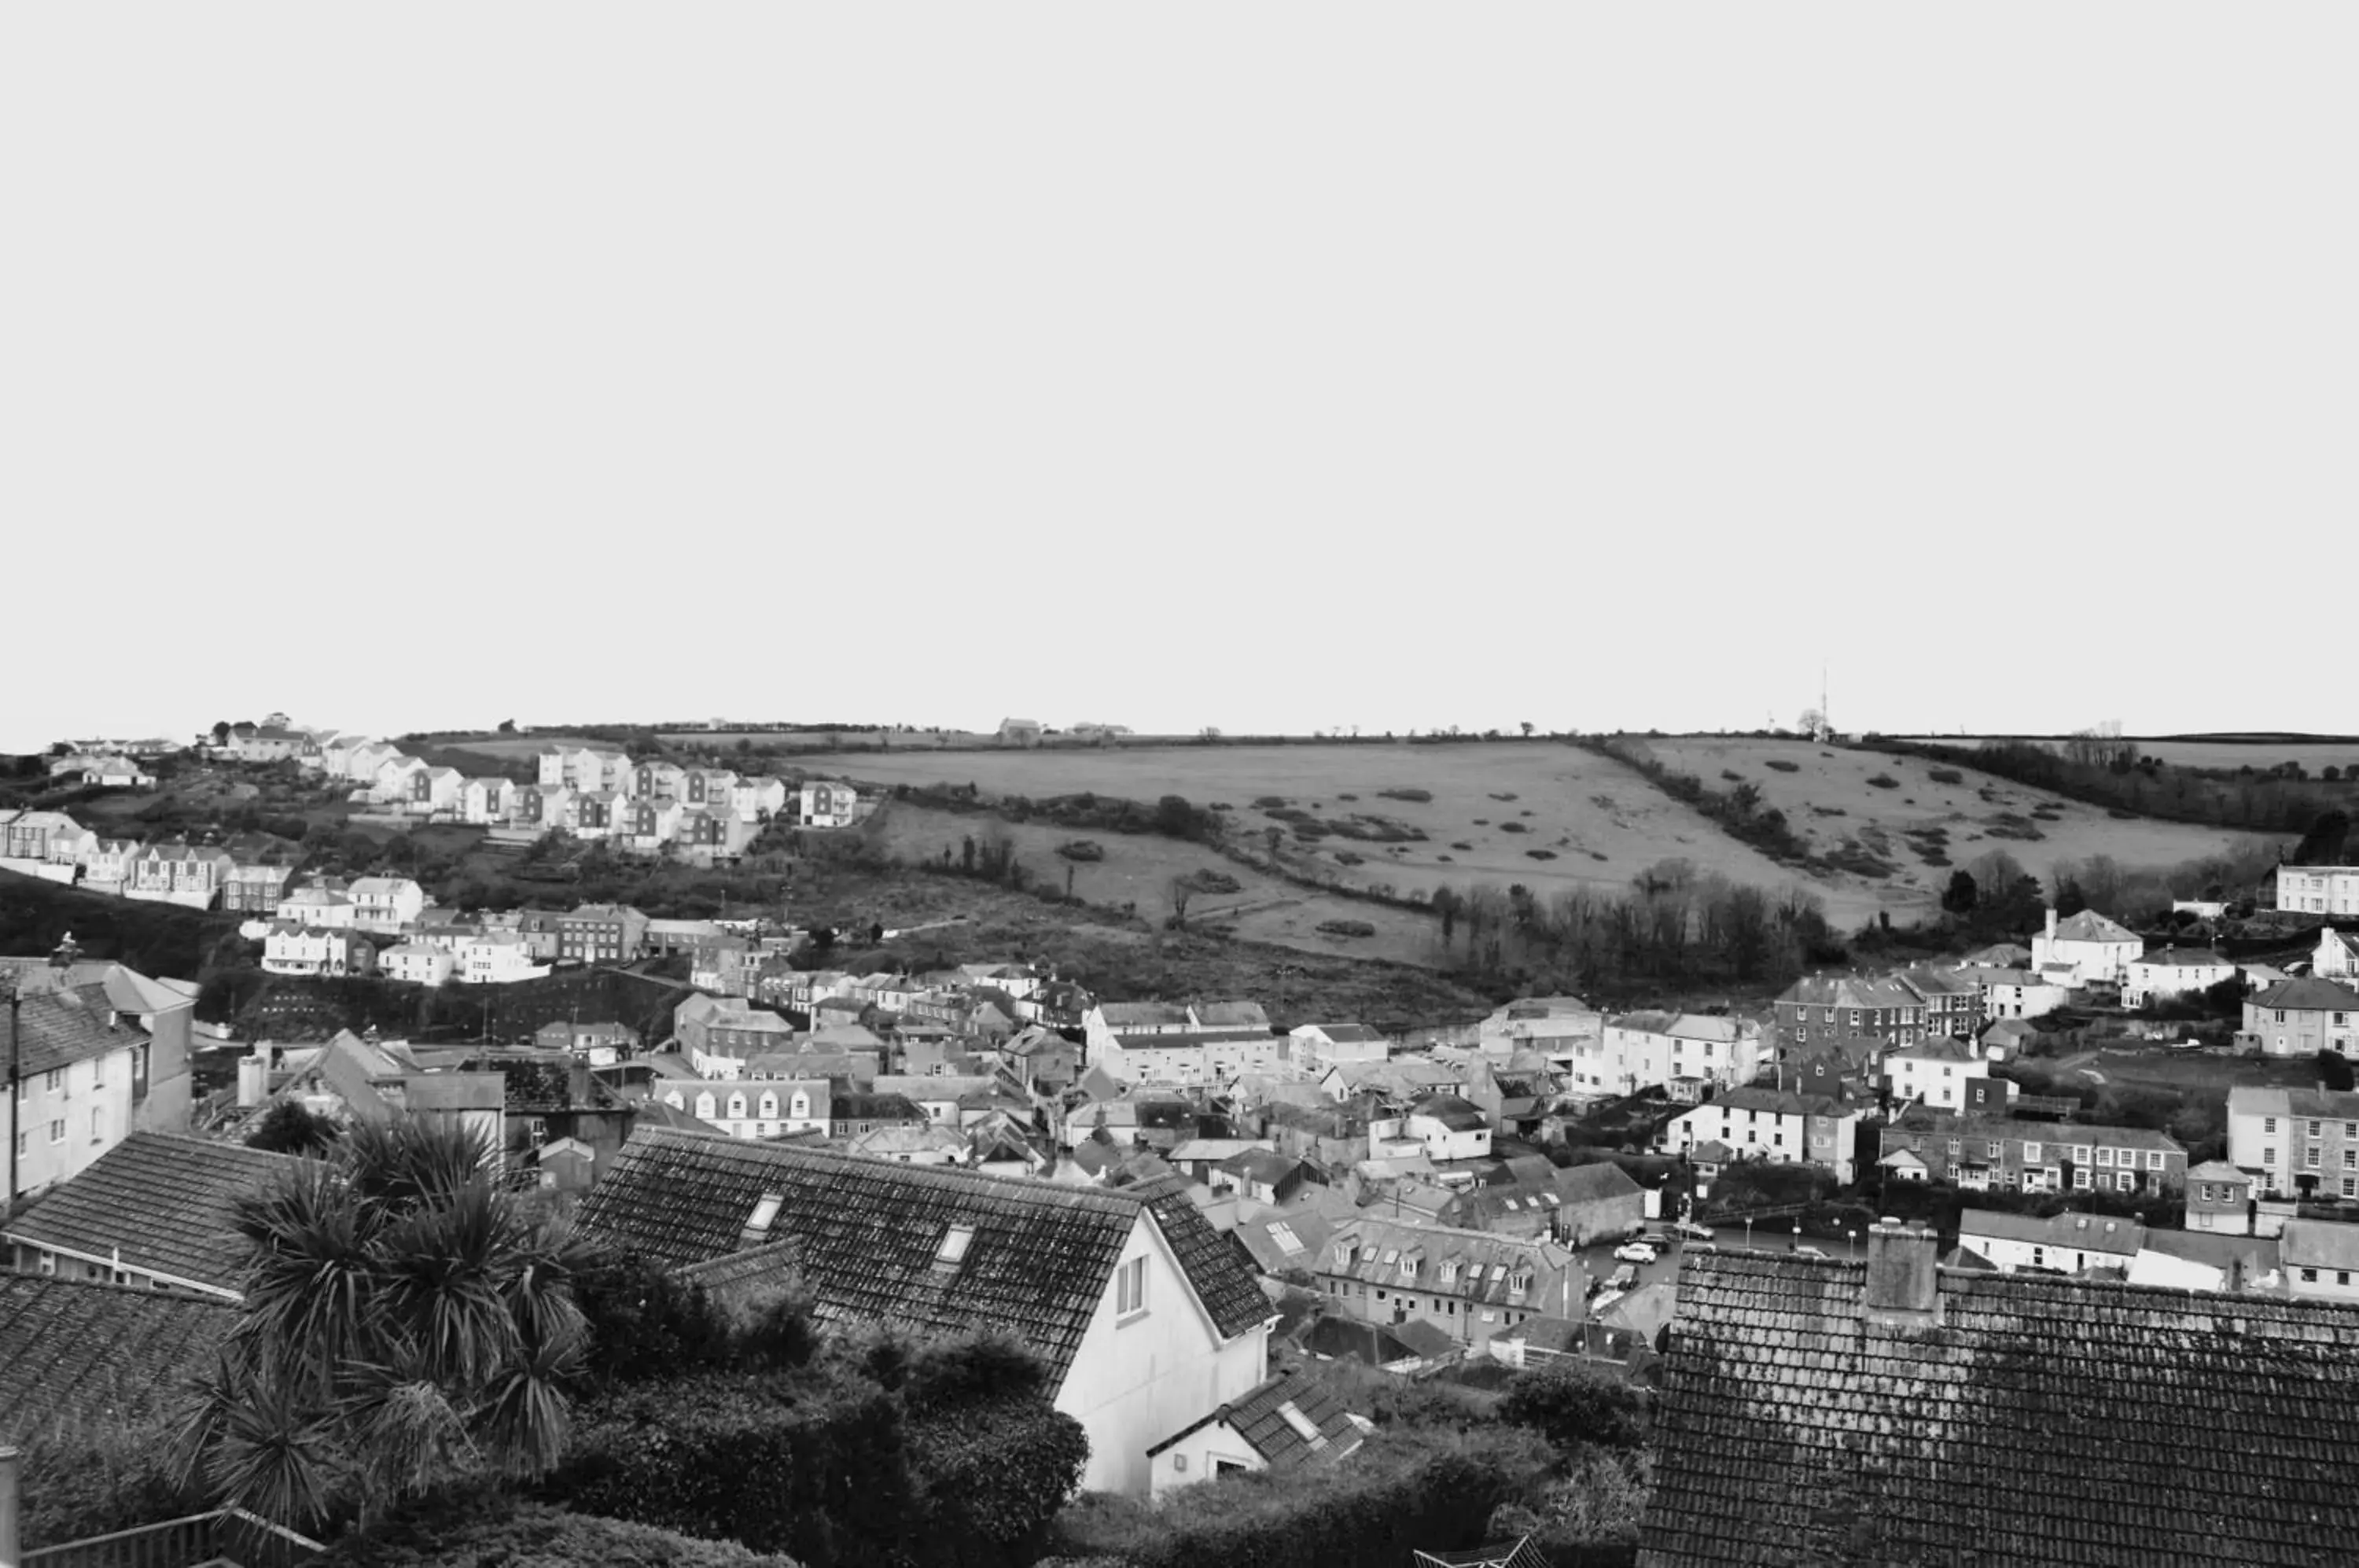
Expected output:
(1180, 891)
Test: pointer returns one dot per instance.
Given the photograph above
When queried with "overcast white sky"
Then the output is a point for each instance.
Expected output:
(1267, 366)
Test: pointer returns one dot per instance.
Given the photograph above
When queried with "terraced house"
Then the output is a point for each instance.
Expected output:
(1984, 1152)
(1471, 1284)
(1822, 1007)
(2296, 1142)
(2301, 1018)
(1776, 1124)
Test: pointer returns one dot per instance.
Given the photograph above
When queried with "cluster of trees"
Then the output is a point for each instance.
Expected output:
(2111, 772)
(1672, 928)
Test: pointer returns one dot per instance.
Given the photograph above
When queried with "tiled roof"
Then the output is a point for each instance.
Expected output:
(1594, 1182)
(75, 1352)
(1232, 1015)
(1119, 1015)
(55, 1029)
(1486, 1263)
(867, 1232)
(2071, 1232)
(1782, 1102)
(1345, 1034)
(1260, 1418)
(2059, 1421)
(1452, 1112)
(2091, 926)
(2309, 994)
(2184, 958)
(2318, 1244)
(1849, 991)
(164, 1201)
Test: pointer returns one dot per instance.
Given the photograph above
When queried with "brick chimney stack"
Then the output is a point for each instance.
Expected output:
(1902, 1289)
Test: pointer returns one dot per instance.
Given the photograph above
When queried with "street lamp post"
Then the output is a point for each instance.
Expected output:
(1798, 1235)
(1748, 1232)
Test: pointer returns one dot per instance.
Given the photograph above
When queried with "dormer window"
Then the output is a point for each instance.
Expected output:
(1449, 1271)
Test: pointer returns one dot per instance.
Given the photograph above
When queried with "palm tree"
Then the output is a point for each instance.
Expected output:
(406, 1322)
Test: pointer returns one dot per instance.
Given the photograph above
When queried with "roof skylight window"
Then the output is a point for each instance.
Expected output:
(953, 1251)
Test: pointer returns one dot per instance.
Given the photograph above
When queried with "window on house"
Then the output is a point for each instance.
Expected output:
(955, 1241)
(2268, 1157)
(2268, 1124)
(58, 1130)
(2310, 1276)
(1130, 1288)
(2031, 1154)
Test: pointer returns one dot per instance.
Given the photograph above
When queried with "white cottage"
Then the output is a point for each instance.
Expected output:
(1146, 1319)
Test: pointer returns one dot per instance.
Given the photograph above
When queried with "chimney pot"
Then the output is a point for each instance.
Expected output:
(1902, 1288)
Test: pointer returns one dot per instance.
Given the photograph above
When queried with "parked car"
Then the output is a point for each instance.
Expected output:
(1660, 1240)
(1622, 1279)
(1809, 1252)
(1635, 1252)
(1694, 1231)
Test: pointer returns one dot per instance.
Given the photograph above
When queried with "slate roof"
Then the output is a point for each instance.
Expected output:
(2043, 1419)
(74, 1351)
(2318, 1244)
(2308, 993)
(2184, 958)
(55, 1029)
(1119, 1015)
(1344, 1034)
(867, 1232)
(1455, 1113)
(1849, 991)
(2091, 926)
(2068, 1232)
(1259, 1418)
(1372, 1251)
(163, 1201)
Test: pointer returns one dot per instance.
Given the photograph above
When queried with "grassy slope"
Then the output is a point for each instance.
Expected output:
(1838, 778)
(1601, 821)
(1138, 868)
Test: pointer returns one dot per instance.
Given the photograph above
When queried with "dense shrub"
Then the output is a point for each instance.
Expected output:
(1540, 854)
(1347, 928)
(935, 1455)
(490, 1532)
(95, 1479)
(1781, 765)
(1406, 1488)
(1419, 796)
(1945, 776)
(1081, 849)
(1575, 1405)
(1513, 827)
(1884, 781)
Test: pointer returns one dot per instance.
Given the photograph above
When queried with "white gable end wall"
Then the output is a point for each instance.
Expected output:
(1138, 1379)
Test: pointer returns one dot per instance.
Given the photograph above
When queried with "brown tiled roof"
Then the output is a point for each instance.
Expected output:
(163, 1201)
(2050, 1421)
(73, 1352)
(867, 1232)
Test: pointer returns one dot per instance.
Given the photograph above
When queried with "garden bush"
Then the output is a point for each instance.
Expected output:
(492, 1533)
(1407, 1488)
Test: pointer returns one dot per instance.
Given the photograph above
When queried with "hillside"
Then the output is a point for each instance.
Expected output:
(1540, 814)
(1929, 817)
(162, 939)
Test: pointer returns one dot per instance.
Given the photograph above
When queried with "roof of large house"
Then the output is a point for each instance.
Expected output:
(2074, 1231)
(867, 1234)
(1455, 1113)
(2318, 1244)
(1489, 1262)
(1232, 1016)
(1318, 1427)
(2054, 1134)
(55, 1029)
(1848, 991)
(1343, 1034)
(2308, 993)
(1779, 1102)
(2184, 958)
(1119, 1015)
(74, 1351)
(127, 990)
(1938, 1049)
(160, 1202)
(2091, 926)
(1796, 1425)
